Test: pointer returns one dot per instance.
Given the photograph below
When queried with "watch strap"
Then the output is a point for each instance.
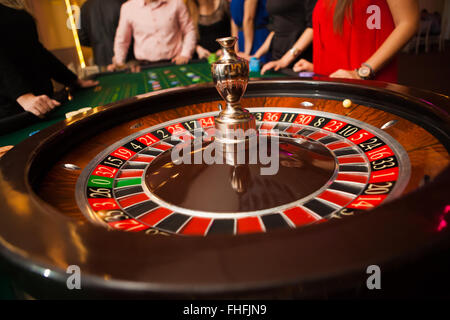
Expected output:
(370, 67)
(371, 72)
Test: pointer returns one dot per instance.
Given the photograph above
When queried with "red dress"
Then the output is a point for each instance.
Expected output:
(356, 43)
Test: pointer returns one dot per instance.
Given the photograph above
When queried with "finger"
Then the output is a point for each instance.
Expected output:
(42, 105)
(337, 75)
(56, 103)
(4, 150)
(34, 110)
(46, 106)
(264, 69)
(49, 103)
(298, 67)
(38, 110)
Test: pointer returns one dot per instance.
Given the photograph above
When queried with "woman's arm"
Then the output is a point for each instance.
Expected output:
(265, 46)
(122, 39)
(234, 33)
(189, 35)
(248, 24)
(406, 18)
(57, 70)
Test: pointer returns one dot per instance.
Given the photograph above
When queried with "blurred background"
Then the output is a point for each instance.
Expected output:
(424, 62)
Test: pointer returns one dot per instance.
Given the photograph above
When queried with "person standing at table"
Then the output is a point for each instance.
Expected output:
(161, 29)
(249, 24)
(212, 20)
(27, 68)
(360, 39)
(291, 35)
(98, 21)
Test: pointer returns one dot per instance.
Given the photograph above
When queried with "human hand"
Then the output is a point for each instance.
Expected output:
(276, 65)
(37, 105)
(4, 150)
(243, 55)
(86, 83)
(345, 74)
(202, 52)
(115, 65)
(111, 67)
(134, 66)
(303, 65)
(180, 60)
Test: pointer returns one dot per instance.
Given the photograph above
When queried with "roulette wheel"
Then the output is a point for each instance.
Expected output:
(356, 185)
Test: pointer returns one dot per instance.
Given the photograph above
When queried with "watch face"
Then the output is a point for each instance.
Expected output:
(364, 72)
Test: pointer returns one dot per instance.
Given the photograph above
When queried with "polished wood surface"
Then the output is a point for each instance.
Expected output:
(427, 155)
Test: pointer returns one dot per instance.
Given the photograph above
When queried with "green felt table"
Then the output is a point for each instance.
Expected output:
(116, 86)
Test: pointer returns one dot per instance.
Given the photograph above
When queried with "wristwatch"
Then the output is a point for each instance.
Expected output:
(365, 72)
(294, 51)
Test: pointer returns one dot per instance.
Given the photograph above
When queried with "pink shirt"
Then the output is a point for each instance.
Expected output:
(161, 29)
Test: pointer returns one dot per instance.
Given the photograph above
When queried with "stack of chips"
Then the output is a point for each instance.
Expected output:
(306, 74)
(254, 64)
(152, 75)
(212, 58)
(156, 85)
(74, 113)
(154, 80)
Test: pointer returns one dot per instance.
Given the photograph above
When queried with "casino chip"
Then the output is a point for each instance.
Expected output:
(306, 74)
(212, 58)
(77, 112)
(254, 64)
